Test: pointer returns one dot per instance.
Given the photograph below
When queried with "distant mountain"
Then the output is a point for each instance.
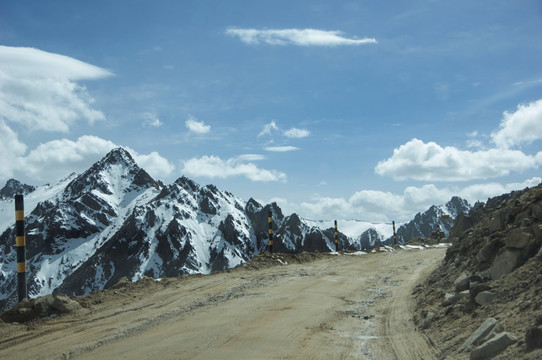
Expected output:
(114, 220)
(424, 223)
(14, 187)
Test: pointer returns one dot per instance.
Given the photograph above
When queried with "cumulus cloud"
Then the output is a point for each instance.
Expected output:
(297, 133)
(431, 162)
(40, 90)
(281, 148)
(520, 127)
(11, 150)
(196, 126)
(381, 206)
(53, 160)
(215, 167)
(296, 37)
(156, 165)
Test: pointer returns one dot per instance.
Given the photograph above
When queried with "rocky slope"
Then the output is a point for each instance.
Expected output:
(485, 299)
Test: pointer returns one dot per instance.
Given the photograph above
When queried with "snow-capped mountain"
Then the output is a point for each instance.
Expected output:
(425, 223)
(363, 235)
(112, 221)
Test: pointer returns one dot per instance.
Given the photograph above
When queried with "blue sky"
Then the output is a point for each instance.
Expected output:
(363, 109)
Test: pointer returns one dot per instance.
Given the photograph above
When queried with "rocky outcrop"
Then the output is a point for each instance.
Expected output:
(491, 271)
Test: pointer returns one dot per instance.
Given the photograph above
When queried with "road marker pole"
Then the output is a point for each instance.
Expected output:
(336, 237)
(20, 240)
(270, 221)
(394, 234)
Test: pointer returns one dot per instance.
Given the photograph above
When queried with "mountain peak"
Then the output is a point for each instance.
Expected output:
(14, 187)
(116, 172)
(119, 156)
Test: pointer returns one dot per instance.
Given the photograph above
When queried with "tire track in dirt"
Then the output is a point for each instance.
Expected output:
(397, 337)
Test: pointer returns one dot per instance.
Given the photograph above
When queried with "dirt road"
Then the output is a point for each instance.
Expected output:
(336, 307)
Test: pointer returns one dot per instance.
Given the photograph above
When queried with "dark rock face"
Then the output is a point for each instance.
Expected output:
(425, 223)
(369, 239)
(14, 187)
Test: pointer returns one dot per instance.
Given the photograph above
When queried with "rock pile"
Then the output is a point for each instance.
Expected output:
(39, 308)
(482, 300)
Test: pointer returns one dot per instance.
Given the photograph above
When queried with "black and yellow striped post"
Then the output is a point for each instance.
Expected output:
(336, 237)
(270, 221)
(21, 247)
(394, 234)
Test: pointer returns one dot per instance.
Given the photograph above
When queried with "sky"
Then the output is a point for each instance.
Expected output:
(365, 110)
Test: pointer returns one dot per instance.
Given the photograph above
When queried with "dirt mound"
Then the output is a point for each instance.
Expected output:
(492, 270)
(267, 259)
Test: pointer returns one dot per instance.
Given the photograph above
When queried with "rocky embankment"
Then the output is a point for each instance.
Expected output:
(485, 300)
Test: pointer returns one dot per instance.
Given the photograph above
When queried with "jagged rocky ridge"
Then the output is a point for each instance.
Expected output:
(113, 221)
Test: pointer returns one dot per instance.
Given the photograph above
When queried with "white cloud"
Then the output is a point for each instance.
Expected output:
(297, 133)
(56, 159)
(380, 206)
(431, 162)
(281, 148)
(520, 127)
(157, 166)
(53, 160)
(250, 157)
(151, 120)
(11, 150)
(297, 37)
(215, 167)
(39, 89)
(268, 128)
(196, 126)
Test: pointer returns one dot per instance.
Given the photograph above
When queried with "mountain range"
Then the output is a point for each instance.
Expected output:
(114, 220)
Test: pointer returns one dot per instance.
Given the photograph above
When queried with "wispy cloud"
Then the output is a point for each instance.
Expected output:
(214, 167)
(268, 128)
(297, 37)
(40, 90)
(281, 148)
(196, 126)
(297, 133)
(151, 120)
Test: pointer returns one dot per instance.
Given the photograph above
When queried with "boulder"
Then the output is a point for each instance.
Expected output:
(536, 211)
(42, 305)
(484, 297)
(494, 223)
(518, 238)
(493, 346)
(488, 327)
(462, 283)
(505, 262)
(533, 338)
(64, 304)
(449, 299)
(477, 288)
